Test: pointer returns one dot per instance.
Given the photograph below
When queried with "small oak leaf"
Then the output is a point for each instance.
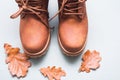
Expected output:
(17, 62)
(53, 72)
(90, 61)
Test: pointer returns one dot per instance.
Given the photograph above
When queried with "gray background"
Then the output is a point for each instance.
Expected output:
(103, 36)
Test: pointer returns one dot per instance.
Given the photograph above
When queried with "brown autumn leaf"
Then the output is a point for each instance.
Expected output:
(90, 61)
(53, 73)
(18, 63)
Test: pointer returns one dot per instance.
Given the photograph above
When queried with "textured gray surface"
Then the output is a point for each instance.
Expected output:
(103, 35)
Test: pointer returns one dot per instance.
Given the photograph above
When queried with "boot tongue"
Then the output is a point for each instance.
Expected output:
(72, 6)
(34, 3)
(72, 0)
(38, 5)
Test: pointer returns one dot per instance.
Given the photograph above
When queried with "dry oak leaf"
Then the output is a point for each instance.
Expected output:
(18, 63)
(90, 61)
(53, 73)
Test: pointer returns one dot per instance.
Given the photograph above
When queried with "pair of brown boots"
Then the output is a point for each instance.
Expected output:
(35, 31)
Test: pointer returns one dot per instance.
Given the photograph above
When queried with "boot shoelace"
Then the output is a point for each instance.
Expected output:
(70, 8)
(33, 8)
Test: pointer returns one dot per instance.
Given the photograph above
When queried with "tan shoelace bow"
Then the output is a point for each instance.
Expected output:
(68, 8)
(34, 8)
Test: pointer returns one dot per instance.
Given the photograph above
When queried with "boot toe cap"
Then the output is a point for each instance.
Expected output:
(72, 37)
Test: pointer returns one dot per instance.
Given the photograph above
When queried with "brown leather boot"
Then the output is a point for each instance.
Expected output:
(34, 28)
(73, 26)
